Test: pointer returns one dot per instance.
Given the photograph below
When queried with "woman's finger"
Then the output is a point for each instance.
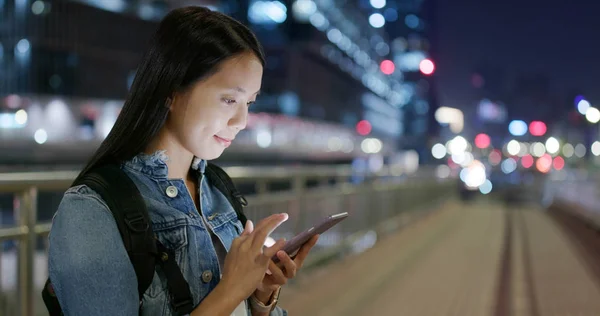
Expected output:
(289, 266)
(304, 250)
(248, 229)
(269, 252)
(277, 276)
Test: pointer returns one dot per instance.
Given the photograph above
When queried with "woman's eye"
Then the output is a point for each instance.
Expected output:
(229, 101)
(250, 103)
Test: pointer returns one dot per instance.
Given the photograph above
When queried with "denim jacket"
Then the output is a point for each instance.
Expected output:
(89, 267)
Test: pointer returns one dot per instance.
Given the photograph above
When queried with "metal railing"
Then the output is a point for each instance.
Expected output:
(308, 193)
(577, 191)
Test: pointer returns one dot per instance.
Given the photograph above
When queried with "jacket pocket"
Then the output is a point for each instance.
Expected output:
(175, 238)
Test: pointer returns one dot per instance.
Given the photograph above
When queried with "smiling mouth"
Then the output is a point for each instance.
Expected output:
(224, 141)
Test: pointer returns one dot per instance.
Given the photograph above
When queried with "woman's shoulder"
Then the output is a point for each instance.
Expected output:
(84, 230)
(87, 257)
(82, 193)
(81, 199)
(81, 209)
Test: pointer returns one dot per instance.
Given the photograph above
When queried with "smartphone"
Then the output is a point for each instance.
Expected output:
(292, 246)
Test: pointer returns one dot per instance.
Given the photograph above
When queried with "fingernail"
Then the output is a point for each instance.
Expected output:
(280, 253)
(269, 272)
(285, 216)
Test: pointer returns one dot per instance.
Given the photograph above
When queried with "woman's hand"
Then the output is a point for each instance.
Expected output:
(247, 260)
(278, 274)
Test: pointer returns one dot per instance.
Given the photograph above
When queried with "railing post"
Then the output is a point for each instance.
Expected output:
(261, 187)
(3, 299)
(299, 187)
(27, 214)
(324, 182)
(374, 206)
(341, 180)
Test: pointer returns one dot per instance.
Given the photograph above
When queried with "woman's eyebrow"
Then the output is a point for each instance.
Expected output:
(242, 90)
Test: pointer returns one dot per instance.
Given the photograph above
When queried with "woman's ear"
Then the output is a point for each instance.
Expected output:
(177, 100)
(168, 102)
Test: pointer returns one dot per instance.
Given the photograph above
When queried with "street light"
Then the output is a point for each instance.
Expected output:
(583, 106)
(552, 145)
(592, 115)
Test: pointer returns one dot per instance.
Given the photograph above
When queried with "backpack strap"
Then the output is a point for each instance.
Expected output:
(145, 251)
(50, 300)
(220, 179)
(178, 288)
(131, 215)
(129, 209)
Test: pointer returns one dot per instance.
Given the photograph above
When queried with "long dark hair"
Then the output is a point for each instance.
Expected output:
(188, 46)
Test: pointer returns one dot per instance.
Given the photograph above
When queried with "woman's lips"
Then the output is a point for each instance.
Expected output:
(224, 141)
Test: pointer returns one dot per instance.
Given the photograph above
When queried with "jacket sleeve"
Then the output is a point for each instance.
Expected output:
(87, 261)
(278, 311)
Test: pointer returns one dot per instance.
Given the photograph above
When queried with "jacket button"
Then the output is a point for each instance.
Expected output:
(207, 276)
(164, 256)
(171, 191)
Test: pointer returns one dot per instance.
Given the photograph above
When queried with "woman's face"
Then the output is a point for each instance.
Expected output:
(207, 117)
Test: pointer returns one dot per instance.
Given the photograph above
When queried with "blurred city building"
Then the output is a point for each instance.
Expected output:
(353, 78)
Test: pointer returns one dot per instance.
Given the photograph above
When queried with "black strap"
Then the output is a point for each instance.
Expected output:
(145, 251)
(129, 209)
(179, 290)
(220, 179)
(131, 216)
(50, 300)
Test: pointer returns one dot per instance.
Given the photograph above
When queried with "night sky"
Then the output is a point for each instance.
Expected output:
(555, 37)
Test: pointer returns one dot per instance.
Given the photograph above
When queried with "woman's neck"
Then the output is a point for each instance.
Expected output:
(180, 159)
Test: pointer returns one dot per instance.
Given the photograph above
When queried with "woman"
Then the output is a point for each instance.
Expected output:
(187, 103)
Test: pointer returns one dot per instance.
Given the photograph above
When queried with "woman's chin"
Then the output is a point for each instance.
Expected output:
(212, 154)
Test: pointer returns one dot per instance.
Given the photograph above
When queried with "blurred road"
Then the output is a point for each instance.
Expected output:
(477, 259)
